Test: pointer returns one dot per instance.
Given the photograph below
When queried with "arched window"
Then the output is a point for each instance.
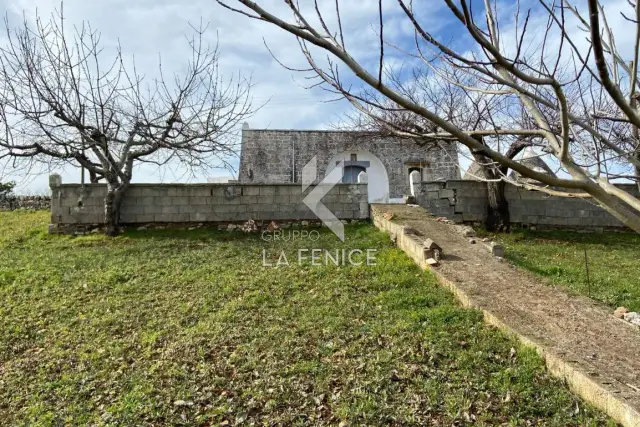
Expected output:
(350, 175)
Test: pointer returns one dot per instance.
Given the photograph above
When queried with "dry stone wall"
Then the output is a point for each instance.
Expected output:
(32, 203)
(466, 201)
(74, 204)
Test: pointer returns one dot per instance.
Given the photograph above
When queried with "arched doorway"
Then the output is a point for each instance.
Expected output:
(358, 161)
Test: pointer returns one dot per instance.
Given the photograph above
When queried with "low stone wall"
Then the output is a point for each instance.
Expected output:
(466, 201)
(74, 204)
(32, 203)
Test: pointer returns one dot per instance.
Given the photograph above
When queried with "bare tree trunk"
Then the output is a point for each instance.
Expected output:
(498, 216)
(498, 219)
(112, 204)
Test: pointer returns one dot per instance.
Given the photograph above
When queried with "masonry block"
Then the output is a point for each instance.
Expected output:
(198, 217)
(446, 194)
(267, 191)
(200, 192)
(179, 201)
(282, 190)
(176, 192)
(455, 218)
(250, 191)
(134, 210)
(188, 209)
(155, 209)
(265, 200)
(164, 210)
(432, 186)
(198, 200)
(467, 216)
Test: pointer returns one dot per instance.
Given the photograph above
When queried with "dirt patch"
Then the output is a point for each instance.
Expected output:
(573, 329)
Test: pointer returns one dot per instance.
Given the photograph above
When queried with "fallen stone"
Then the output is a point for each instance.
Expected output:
(142, 228)
(496, 249)
(231, 227)
(486, 239)
(222, 227)
(95, 231)
(304, 223)
(344, 221)
(431, 245)
(620, 312)
(432, 262)
(388, 216)
(355, 221)
(249, 226)
(632, 317)
(465, 230)
(191, 228)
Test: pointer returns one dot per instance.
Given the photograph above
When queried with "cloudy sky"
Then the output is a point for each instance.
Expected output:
(148, 28)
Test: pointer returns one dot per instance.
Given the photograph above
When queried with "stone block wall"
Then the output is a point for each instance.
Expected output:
(466, 201)
(202, 203)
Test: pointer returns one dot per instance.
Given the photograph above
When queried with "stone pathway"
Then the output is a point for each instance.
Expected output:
(579, 338)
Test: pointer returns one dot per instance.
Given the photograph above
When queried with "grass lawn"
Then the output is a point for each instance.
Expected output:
(614, 262)
(189, 328)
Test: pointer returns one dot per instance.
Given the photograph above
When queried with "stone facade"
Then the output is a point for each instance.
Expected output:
(278, 156)
(466, 201)
(201, 203)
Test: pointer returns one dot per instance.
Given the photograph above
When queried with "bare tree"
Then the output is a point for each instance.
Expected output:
(561, 103)
(461, 108)
(63, 100)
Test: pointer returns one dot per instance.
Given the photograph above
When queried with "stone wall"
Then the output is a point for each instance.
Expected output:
(32, 203)
(466, 201)
(201, 203)
(278, 156)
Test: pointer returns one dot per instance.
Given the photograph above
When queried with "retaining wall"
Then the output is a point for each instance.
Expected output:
(200, 203)
(466, 201)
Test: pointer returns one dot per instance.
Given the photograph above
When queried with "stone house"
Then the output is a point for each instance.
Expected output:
(278, 157)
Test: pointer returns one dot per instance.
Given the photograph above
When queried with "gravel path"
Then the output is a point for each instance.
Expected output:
(575, 329)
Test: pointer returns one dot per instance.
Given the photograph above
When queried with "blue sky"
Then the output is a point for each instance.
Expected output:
(146, 28)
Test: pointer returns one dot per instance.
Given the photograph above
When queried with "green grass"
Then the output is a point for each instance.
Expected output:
(558, 256)
(117, 331)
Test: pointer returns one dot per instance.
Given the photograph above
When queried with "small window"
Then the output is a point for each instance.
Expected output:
(354, 157)
(351, 173)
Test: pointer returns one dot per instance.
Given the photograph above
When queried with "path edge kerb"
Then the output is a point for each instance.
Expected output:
(579, 381)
